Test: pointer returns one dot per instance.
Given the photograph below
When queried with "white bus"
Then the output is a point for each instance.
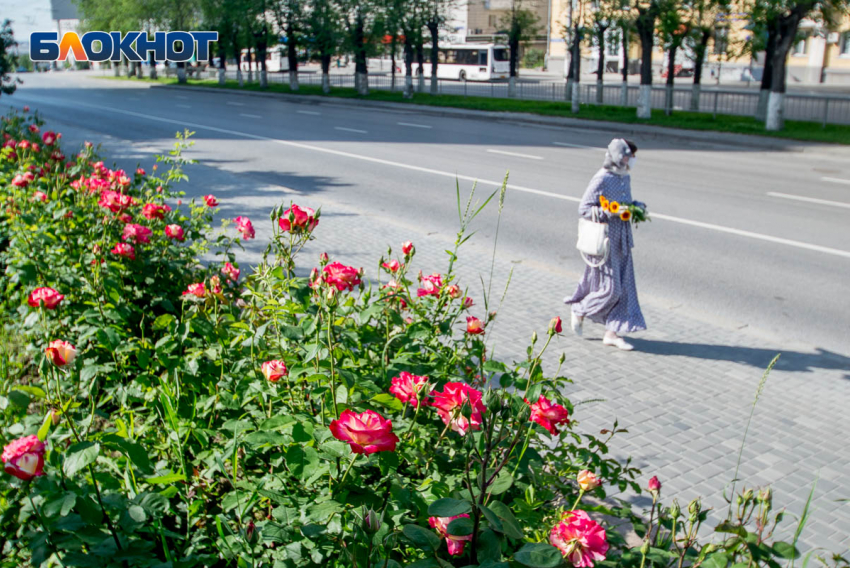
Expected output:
(470, 62)
(276, 59)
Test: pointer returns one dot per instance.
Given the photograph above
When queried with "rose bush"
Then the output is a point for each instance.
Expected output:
(158, 411)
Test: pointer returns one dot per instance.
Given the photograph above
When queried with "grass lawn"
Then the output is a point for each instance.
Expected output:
(795, 130)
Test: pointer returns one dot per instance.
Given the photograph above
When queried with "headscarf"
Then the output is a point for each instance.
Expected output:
(617, 151)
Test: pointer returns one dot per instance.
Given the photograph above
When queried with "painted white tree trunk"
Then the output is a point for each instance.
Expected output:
(362, 84)
(435, 85)
(221, 77)
(600, 93)
(250, 74)
(181, 74)
(293, 80)
(644, 106)
(568, 93)
(695, 91)
(239, 77)
(117, 69)
(421, 83)
(408, 87)
(775, 111)
(153, 74)
(575, 99)
(512, 87)
(264, 79)
(668, 100)
(326, 83)
(761, 110)
(624, 94)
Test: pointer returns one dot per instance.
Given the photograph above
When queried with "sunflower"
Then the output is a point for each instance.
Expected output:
(626, 215)
(603, 202)
(614, 207)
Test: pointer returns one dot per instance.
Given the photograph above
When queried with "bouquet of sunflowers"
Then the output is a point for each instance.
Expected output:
(627, 213)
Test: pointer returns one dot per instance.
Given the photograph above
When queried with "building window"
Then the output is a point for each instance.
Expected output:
(845, 44)
(491, 21)
(800, 47)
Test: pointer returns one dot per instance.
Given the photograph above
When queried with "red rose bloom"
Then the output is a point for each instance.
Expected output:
(341, 277)
(48, 297)
(449, 402)
(406, 387)
(124, 249)
(174, 232)
(474, 326)
(580, 539)
(548, 414)
(211, 201)
(297, 219)
(274, 370)
(366, 433)
(24, 458)
(136, 233)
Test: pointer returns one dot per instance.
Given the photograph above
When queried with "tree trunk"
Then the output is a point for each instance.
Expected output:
(238, 56)
(575, 67)
(513, 43)
(222, 65)
(767, 74)
(152, 62)
(433, 27)
(361, 69)
(624, 94)
(645, 25)
(671, 76)
(326, 74)
(575, 100)
(600, 65)
(181, 72)
(787, 27)
(420, 60)
(624, 90)
(392, 63)
(699, 61)
(292, 59)
(408, 68)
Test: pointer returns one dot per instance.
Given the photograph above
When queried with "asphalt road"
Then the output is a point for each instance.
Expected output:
(741, 236)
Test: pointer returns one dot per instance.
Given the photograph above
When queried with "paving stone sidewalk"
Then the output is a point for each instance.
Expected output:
(684, 394)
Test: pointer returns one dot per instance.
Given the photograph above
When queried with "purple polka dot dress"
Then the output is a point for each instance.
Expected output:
(608, 294)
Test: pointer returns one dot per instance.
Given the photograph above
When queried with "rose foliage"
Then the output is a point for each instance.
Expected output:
(157, 411)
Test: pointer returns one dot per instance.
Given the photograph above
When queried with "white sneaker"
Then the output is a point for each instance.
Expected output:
(617, 342)
(575, 323)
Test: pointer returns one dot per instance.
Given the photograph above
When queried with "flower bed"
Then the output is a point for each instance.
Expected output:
(162, 412)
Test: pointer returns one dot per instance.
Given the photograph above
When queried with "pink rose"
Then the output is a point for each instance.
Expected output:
(23, 180)
(244, 226)
(587, 480)
(548, 414)
(136, 233)
(274, 370)
(366, 433)
(24, 458)
(215, 283)
(654, 485)
(453, 291)
(449, 402)
(211, 201)
(580, 539)
(341, 277)
(455, 543)
(174, 232)
(406, 387)
(26, 108)
(155, 211)
(49, 138)
(61, 352)
(34, 129)
(140, 171)
(24, 144)
(474, 326)
(230, 271)
(39, 196)
(407, 248)
(297, 219)
(393, 266)
(430, 285)
(124, 249)
(555, 325)
(198, 289)
(323, 258)
(48, 297)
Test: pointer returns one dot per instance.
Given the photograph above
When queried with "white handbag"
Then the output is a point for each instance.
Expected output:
(593, 240)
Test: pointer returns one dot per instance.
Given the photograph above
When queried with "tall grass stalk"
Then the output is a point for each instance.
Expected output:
(747, 429)
(804, 517)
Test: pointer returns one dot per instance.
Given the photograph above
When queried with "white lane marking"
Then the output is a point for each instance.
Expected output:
(809, 199)
(344, 129)
(250, 115)
(836, 180)
(234, 103)
(184, 106)
(413, 125)
(517, 154)
(568, 145)
(719, 228)
(308, 112)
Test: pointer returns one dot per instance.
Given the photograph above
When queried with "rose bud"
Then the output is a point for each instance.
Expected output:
(274, 370)
(654, 485)
(555, 326)
(211, 201)
(407, 248)
(61, 352)
(587, 480)
(474, 326)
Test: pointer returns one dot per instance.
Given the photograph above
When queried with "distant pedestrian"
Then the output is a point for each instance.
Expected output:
(607, 294)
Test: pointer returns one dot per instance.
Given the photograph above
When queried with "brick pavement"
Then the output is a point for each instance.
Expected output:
(684, 394)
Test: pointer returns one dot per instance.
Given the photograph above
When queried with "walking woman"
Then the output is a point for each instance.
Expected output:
(607, 294)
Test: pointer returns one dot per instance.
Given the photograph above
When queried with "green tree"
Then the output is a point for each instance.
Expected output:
(706, 16)
(324, 26)
(625, 26)
(602, 18)
(647, 13)
(8, 60)
(519, 24)
(674, 26)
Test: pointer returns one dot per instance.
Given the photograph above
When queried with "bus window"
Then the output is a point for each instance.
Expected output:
(482, 57)
(500, 54)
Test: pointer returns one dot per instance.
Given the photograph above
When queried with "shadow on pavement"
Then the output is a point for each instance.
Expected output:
(794, 361)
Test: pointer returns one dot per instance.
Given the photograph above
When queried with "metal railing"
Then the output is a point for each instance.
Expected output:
(823, 109)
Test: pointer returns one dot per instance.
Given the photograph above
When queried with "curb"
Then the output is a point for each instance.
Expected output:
(623, 129)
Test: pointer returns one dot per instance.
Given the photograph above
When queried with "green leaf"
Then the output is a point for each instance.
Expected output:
(716, 560)
(79, 456)
(166, 479)
(785, 550)
(44, 431)
(727, 527)
(502, 483)
(489, 547)
(388, 401)
(539, 555)
(422, 538)
(19, 398)
(509, 522)
(301, 461)
(495, 522)
(460, 527)
(448, 507)
(321, 512)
